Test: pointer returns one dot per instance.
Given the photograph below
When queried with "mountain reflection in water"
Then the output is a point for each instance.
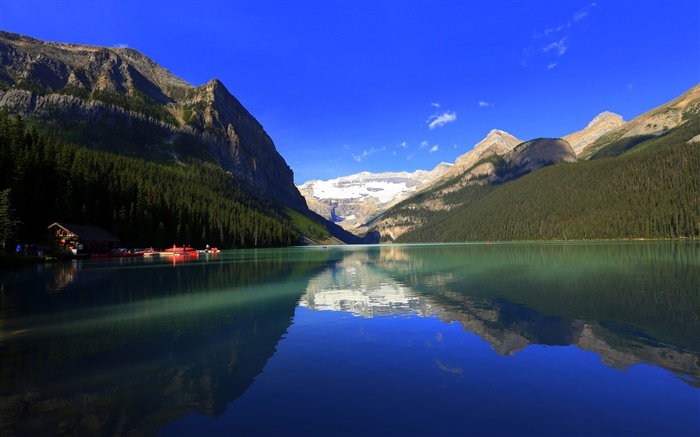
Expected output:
(140, 347)
(508, 316)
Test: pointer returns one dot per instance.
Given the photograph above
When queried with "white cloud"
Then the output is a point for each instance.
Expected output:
(403, 144)
(456, 146)
(630, 87)
(559, 46)
(440, 120)
(581, 14)
(367, 153)
(483, 104)
(551, 30)
(437, 105)
(434, 148)
(424, 144)
(578, 16)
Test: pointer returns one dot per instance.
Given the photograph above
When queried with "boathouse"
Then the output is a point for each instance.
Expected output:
(82, 238)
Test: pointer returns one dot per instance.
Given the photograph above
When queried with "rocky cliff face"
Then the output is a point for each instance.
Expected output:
(475, 165)
(119, 100)
(599, 126)
(497, 142)
(670, 115)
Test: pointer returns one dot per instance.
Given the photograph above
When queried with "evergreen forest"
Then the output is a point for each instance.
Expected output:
(144, 203)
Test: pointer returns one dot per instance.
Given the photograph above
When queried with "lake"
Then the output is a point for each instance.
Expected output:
(565, 339)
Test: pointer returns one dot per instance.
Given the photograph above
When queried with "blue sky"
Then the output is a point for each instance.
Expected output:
(350, 86)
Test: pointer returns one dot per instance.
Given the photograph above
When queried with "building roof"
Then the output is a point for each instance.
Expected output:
(84, 232)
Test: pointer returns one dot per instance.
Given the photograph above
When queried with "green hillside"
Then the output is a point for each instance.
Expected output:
(639, 188)
(143, 202)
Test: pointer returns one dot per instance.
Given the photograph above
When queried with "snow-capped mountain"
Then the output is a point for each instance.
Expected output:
(352, 200)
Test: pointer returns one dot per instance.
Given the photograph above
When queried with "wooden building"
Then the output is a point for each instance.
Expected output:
(82, 238)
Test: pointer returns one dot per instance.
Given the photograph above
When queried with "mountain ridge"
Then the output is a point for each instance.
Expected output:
(87, 88)
(652, 123)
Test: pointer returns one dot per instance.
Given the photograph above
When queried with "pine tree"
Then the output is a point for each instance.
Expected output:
(8, 223)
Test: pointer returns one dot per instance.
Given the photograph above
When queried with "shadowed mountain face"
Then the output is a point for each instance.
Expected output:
(118, 100)
(535, 154)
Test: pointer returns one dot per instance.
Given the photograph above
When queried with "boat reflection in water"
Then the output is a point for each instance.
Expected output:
(593, 339)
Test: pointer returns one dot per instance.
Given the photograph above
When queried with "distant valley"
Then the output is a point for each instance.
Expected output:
(353, 200)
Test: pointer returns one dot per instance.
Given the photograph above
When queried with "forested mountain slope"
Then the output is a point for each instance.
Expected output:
(650, 191)
(118, 100)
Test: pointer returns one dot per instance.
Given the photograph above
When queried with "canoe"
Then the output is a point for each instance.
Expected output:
(179, 251)
(210, 250)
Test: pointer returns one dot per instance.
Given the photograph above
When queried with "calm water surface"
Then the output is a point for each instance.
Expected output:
(499, 339)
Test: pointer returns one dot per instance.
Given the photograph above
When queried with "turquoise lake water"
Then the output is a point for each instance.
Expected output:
(546, 339)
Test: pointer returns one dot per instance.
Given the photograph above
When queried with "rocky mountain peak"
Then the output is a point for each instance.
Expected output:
(497, 142)
(497, 136)
(600, 125)
(606, 117)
